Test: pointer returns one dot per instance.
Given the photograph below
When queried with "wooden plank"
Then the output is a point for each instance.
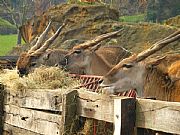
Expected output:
(158, 115)
(94, 105)
(1, 108)
(12, 130)
(42, 99)
(69, 113)
(33, 120)
(8, 61)
(9, 58)
(101, 107)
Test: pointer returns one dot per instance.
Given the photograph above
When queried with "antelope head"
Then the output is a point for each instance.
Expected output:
(28, 59)
(81, 55)
(130, 72)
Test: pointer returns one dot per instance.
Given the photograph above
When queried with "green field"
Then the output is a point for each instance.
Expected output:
(133, 18)
(6, 43)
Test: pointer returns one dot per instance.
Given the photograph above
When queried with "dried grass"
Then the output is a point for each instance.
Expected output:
(41, 78)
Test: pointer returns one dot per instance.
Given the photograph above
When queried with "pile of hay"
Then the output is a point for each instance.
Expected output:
(41, 78)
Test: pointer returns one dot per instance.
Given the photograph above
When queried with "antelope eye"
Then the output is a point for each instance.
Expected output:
(77, 51)
(127, 65)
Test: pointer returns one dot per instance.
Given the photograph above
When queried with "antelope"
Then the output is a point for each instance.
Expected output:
(38, 54)
(144, 76)
(94, 61)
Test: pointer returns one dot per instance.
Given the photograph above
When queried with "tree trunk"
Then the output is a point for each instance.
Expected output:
(19, 37)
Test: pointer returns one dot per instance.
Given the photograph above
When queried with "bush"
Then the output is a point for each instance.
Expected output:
(6, 27)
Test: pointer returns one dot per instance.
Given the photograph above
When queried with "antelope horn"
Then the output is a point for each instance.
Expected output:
(34, 41)
(158, 45)
(96, 40)
(40, 39)
(49, 41)
(170, 36)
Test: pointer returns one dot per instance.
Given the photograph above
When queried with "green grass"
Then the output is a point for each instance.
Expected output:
(133, 19)
(7, 42)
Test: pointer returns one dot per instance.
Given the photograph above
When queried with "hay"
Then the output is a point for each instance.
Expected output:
(41, 78)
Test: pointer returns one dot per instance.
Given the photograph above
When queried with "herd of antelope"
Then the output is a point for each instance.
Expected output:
(121, 69)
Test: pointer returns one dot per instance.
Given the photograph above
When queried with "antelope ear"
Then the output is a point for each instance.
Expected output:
(156, 62)
(96, 47)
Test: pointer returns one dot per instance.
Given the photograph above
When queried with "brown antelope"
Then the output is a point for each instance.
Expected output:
(145, 77)
(38, 54)
(91, 60)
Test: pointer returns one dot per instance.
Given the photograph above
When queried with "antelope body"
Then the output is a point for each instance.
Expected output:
(145, 77)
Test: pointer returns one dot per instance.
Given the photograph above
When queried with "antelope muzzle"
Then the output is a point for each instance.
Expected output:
(22, 72)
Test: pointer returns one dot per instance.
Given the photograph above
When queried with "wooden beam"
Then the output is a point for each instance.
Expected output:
(69, 113)
(41, 99)
(9, 58)
(94, 105)
(158, 115)
(1, 107)
(33, 120)
(107, 108)
(12, 130)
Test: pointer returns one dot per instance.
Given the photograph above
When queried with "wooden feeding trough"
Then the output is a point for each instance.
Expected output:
(8, 61)
(56, 112)
(49, 112)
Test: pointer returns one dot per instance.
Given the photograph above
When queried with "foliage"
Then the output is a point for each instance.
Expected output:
(5, 23)
(159, 10)
(7, 42)
(134, 18)
(6, 27)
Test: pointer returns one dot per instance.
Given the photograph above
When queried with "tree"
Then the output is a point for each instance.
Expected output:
(160, 10)
(20, 11)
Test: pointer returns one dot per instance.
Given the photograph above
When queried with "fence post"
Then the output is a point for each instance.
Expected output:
(69, 112)
(124, 116)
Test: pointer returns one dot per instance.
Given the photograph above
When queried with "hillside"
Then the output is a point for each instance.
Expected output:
(86, 22)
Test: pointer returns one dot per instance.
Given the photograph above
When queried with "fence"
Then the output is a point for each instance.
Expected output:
(8, 61)
(54, 112)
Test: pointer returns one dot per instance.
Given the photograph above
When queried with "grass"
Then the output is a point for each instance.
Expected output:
(7, 42)
(133, 19)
